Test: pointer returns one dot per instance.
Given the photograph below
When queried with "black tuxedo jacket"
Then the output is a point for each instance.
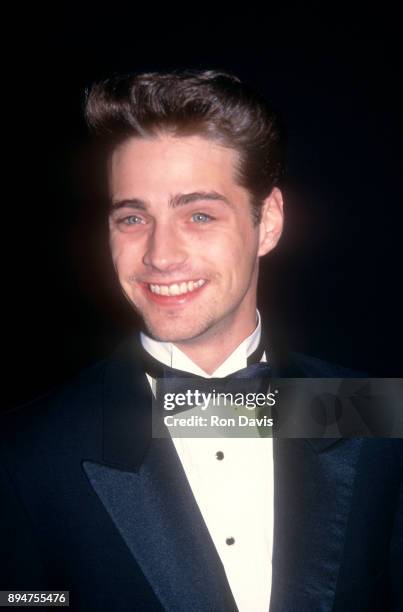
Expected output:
(92, 504)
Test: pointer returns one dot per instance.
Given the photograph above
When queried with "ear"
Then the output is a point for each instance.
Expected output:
(271, 224)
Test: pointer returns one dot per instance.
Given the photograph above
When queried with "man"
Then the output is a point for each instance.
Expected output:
(91, 501)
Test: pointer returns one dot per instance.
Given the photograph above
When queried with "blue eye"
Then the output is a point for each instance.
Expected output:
(132, 220)
(201, 217)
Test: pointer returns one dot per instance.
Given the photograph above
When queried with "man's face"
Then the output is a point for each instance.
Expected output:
(182, 237)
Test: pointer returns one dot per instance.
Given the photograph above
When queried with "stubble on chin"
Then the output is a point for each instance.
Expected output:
(175, 330)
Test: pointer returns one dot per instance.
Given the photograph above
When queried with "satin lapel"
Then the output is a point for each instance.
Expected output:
(143, 487)
(313, 486)
(156, 515)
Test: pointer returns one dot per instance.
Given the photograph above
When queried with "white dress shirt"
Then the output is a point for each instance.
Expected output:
(232, 482)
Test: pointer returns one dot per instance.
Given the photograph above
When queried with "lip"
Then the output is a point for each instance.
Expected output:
(172, 300)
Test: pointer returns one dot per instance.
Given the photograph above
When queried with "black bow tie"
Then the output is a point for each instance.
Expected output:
(251, 379)
(253, 371)
(255, 368)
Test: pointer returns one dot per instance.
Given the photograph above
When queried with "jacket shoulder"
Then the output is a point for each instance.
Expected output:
(62, 406)
(318, 368)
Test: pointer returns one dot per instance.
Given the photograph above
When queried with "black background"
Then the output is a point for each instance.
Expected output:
(334, 281)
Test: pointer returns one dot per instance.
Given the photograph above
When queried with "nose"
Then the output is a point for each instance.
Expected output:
(165, 251)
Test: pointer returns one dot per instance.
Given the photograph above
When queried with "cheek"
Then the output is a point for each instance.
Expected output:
(124, 251)
(220, 245)
(237, 251)
(242, 265)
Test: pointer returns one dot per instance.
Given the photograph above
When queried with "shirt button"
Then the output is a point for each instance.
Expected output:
(219, 455)
(230, 541)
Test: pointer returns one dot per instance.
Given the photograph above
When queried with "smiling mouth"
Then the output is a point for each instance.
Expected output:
(176, 289)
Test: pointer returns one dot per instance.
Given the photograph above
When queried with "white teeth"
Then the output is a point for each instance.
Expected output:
(177, 289)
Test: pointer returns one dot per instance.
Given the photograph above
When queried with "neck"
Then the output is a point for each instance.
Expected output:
(212, 348)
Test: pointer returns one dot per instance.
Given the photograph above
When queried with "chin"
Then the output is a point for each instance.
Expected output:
(170, 336)
(175, 333)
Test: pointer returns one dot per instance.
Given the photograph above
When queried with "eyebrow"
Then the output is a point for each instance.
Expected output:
(180, 199)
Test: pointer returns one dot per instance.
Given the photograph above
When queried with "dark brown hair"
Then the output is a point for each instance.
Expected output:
(209, 103)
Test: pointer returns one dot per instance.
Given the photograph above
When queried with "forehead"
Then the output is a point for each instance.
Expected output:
(167, 162)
